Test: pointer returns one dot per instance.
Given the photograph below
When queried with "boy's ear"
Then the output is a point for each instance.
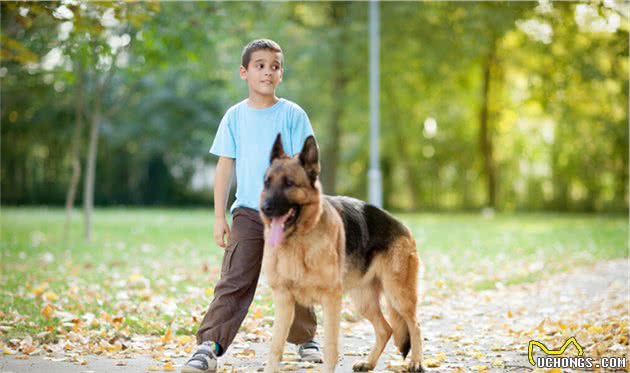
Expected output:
(277, 150)
(243, 73)
(309, 158)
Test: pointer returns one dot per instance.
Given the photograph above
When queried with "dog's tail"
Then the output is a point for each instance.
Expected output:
(400, 332)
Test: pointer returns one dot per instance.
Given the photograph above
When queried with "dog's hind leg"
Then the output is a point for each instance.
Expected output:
(284, 305)
(331, 304)
(401, 291)
(366, 300)
(400, 331)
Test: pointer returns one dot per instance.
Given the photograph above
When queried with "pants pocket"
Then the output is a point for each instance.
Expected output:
(227, 258)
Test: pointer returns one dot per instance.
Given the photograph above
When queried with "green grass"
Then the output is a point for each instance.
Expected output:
(174, 251)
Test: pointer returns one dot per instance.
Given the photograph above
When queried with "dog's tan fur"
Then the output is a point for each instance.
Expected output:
(310, 267)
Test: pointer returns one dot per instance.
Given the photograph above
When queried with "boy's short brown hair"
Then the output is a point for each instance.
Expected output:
(259, 44)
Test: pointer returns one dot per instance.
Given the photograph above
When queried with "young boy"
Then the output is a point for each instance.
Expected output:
(245, 137)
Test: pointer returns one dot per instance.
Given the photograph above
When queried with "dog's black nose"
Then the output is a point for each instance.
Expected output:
(267, 208)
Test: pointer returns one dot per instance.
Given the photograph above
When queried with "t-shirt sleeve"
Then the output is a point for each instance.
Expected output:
(224, 144)
(301, 130)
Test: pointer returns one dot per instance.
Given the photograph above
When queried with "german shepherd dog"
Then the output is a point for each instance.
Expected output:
(317, 247)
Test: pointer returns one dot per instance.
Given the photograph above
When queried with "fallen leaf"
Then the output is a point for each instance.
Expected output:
(432, 363)
(51, 296)
(167, 337)
(47, 311)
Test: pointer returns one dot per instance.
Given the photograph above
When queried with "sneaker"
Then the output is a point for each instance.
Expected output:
(202, 361)
(310, 352)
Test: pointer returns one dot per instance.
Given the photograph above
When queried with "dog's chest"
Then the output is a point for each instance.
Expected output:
(302, 265)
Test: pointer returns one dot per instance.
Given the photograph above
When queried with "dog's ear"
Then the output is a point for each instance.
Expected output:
(277, 150)
(309, 158)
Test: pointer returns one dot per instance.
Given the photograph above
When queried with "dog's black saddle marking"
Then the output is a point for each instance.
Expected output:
(369, 230)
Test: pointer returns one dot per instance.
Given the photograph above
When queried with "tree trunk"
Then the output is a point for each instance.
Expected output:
(330, 152)
(486, 132)
(76, 149)
(88, 191)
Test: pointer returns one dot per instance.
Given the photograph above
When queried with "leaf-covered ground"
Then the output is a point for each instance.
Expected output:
(491, 283)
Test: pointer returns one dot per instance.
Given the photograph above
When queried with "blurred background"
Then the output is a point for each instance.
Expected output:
(513, 106)
(503, 146)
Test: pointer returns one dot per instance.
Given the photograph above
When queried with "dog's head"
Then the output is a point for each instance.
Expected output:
(291, 184)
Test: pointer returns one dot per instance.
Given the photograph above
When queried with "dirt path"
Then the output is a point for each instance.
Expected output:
(484, 331)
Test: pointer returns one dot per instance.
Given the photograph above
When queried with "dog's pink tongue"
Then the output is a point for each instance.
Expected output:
(276, 231)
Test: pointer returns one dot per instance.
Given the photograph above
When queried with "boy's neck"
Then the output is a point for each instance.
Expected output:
(261, 102)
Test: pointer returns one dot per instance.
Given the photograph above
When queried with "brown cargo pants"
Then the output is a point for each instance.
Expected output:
(235, 290)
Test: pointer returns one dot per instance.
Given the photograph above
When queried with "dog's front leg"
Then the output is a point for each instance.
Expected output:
(284, 305)
(332, 317)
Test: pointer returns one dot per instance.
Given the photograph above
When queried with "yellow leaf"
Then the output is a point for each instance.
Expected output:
(105, 316)
(209, 291)
(258, 314)
(135, 277)
(441, 356)
(39, 289)
(48, 311)
(154, 368)
(432, 363)
(247, 353)
(169, 367)
(554, 370)
(509, 313)
(51, 296)
(184, 339)
(480, 368)
(498, 363)
(167, 337)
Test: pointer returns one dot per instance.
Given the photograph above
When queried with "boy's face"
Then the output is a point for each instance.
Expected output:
(264, 72)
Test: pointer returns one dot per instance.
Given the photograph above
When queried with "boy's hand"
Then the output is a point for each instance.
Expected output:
(221, 229)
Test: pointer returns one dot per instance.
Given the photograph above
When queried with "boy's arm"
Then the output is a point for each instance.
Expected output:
(222, 181)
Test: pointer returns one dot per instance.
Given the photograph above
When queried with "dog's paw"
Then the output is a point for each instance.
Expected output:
(415, 366)
(362, 366)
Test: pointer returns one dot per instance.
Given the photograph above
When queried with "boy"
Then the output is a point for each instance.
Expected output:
(245, 137)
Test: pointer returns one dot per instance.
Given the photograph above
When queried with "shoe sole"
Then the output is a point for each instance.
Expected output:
(186, 369)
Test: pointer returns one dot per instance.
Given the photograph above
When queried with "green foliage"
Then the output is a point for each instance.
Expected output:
(557, 102)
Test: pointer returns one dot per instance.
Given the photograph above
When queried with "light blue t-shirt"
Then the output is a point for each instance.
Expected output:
(247, 135)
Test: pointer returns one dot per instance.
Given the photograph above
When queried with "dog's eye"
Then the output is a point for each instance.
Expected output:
(288, 182)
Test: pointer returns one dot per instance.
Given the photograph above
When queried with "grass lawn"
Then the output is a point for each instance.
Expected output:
(149, 269)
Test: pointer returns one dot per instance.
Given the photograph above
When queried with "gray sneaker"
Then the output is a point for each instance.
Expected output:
(202, 361)
(310, 352)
